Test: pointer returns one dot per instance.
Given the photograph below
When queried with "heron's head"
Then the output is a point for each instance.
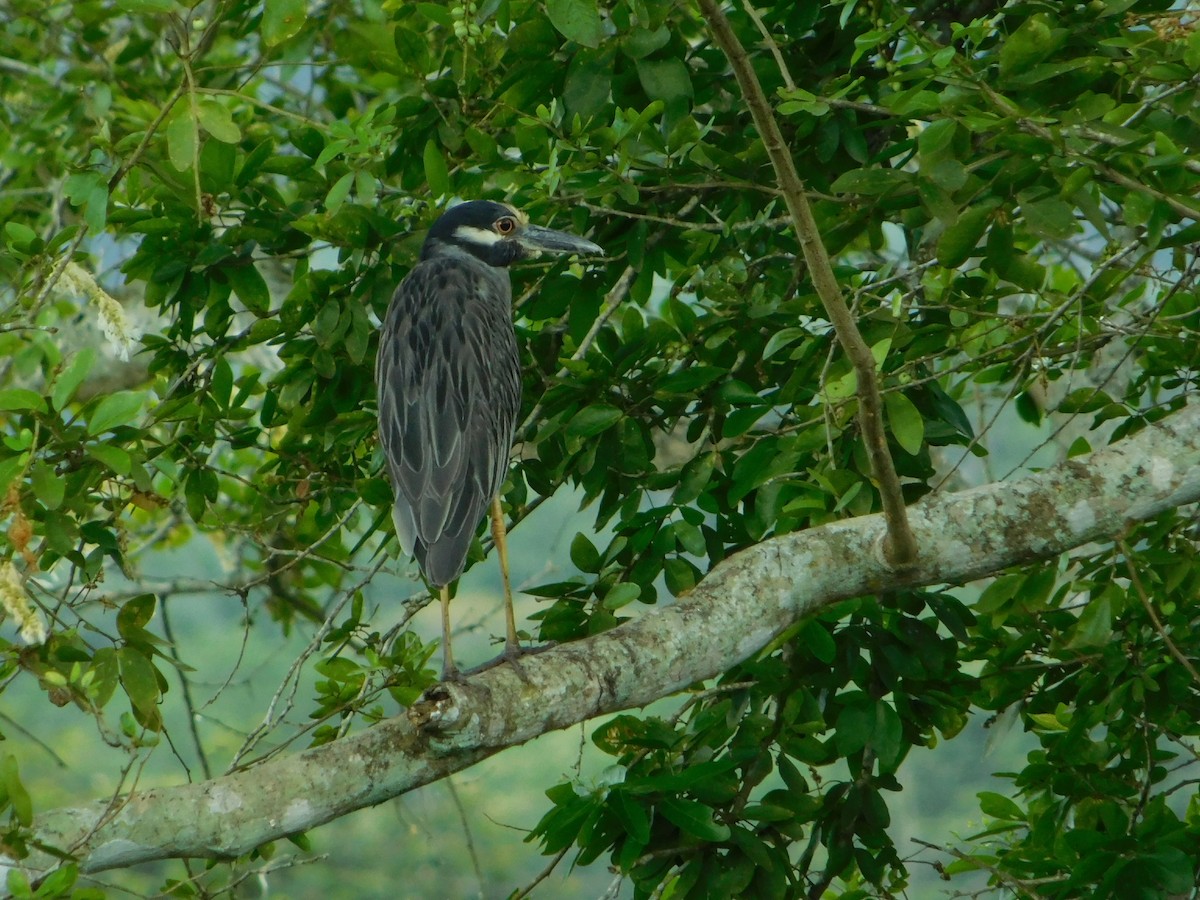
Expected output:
(498, 234)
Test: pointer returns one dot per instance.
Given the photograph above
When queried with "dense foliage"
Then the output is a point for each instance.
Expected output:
(1008, 192)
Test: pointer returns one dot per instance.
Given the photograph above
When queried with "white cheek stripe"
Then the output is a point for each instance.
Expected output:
(472, 235)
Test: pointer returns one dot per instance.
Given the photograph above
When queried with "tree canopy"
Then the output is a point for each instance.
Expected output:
(873, 270)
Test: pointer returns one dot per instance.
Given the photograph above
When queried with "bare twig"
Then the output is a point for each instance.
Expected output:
(466, 827)
(1024, 887)
(185, 683)
(718, 227)
(542, 875)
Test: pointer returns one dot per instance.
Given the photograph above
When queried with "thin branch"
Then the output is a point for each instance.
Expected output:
(17, 67)
(185, 683)
(900, 546)
(612, 300)
(615, 297)
(717, 227)
(466, 827)
(1023, 886)
(770, 42)
(1158, 625)
(135, 157)
(194, 109)
(542, 875)
(261, 104)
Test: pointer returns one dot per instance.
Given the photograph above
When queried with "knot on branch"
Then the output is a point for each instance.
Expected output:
(442, 708)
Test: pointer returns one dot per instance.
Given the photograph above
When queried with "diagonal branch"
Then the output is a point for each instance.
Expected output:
(740, 607)
(899, 545)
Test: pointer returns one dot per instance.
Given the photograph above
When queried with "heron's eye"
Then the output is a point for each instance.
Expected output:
(506, 225)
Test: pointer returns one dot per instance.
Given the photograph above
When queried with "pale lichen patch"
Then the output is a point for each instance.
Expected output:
(1081, 517)
(223, 800)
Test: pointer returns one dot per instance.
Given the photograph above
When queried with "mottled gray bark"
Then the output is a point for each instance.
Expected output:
(742, 605)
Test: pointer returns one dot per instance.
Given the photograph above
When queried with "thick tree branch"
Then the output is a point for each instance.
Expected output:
(900, 546)
(740, 607)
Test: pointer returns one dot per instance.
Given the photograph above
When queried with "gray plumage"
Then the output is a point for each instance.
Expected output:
(449, 378)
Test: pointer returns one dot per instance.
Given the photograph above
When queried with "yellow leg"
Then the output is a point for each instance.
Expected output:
(512, 646)
(449, 669)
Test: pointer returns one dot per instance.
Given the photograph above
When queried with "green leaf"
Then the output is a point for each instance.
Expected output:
(695, 478)
(282, 19)
(69, 379)
(871, 181)
(957, 243)
(584, 554)
(105, 675)
(1095, 625)
(436, 12)
(947, 174)
(147, 6)
(22, 398)
(365, 185)
(576, 20)
(621, 595)
(1023, 271)
(767, 812)
(936, 138)
(680, 576)
(115, 410)
(48, 486)
(136, 613)
(631, 815)
(182, 141)
(217, 120)
(18, 884)
(1050, 218)
(338, 668)
(59, 882)
(589, 82)
(904, 421)
(641, 42)
(331, 151)
(818, 641)
(20, 234)
(437, 176)
(1047, 722)
(1031, 43)
(139, 678)
(250, 287)
(688, 380)
(116, 458)
(664, 79)
(782, 338)
(999, 807)
(874, 724)
(18, 796)
(339, 192)
(591, 420)
(89, 190)
(693, 818)
(690, 537)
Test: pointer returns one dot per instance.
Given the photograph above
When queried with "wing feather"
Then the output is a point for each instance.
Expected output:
(448, 375)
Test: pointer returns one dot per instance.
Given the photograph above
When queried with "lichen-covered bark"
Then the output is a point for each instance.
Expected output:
(738, 608)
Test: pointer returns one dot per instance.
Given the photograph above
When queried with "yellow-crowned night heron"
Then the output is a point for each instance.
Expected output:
(449, 379)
